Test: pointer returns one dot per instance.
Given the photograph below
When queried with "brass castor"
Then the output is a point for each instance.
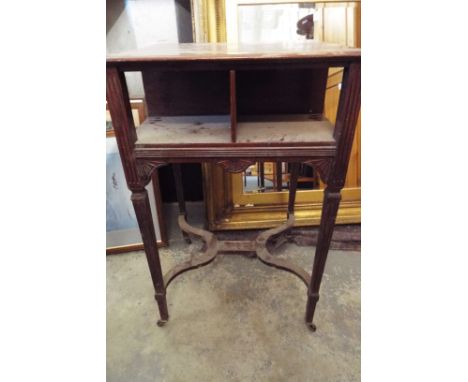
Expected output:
(161, 322)
(311, 326)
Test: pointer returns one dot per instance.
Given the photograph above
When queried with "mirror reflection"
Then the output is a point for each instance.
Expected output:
(274, 176)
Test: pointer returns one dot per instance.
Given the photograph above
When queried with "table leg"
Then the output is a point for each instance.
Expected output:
(331, 202)
(145, 221)
(294, 168)
(279, 176)
(176, 170)
(261, 166)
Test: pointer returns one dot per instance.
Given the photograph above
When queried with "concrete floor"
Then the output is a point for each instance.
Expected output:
(233, 320)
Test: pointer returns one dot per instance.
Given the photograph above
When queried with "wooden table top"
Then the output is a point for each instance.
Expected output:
(223, 51)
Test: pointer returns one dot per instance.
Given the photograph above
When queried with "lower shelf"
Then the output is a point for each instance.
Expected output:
(186, 131)
(293, 128)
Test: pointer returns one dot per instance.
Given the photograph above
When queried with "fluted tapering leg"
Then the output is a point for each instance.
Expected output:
(145, 221)
(331, 202)
(176, 169)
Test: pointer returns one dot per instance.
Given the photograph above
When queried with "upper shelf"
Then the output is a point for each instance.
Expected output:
(307, 49)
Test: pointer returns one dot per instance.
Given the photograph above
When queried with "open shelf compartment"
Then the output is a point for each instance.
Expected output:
(226, 108)
(284, 129)
(296, 129)
(185, 130)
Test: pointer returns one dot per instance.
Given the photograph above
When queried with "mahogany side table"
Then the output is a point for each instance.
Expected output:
(235, 105)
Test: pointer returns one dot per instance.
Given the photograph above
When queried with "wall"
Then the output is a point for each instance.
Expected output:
(132, 24)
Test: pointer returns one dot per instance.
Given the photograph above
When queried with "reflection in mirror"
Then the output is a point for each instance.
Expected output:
(269, 23)
(274, 176)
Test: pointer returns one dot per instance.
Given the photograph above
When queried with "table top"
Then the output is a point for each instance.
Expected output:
(188, 136)
(223, 51)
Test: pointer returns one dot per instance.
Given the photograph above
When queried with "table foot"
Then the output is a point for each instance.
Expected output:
(161, 323)
(311, 326)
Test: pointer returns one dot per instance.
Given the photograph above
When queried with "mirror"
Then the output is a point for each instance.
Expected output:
(274, 176)
(268, 23)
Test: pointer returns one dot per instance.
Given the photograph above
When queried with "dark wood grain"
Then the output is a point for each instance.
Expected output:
(238, 81)
(159, 208)
(120, 110)
(227, 64)
(261, 175)
(122, 121)
(145, 222)
(294, 171)
(277, 91)
(346, 119)
(258, 92)
(347, 114)
(183, 93)
(331, 202)
(233, 104)
(267, 153)
(176, 169)
(279, 176)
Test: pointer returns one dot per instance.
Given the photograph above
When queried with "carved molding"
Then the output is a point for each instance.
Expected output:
(236, 165)
(322, 166)
(145, 169)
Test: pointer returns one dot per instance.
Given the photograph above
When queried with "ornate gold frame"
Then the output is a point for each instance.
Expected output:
(264, 210)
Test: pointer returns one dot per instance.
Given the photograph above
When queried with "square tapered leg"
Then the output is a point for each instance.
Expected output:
(145, 221)
(331, 202)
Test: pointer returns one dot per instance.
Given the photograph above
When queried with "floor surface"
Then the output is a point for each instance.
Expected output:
(233, 320)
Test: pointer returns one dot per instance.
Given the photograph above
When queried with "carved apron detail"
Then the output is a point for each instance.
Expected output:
(145, 169)
(322, 166)
(236, 165)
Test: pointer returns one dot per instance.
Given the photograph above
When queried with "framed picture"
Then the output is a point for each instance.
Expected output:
(122, 232)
